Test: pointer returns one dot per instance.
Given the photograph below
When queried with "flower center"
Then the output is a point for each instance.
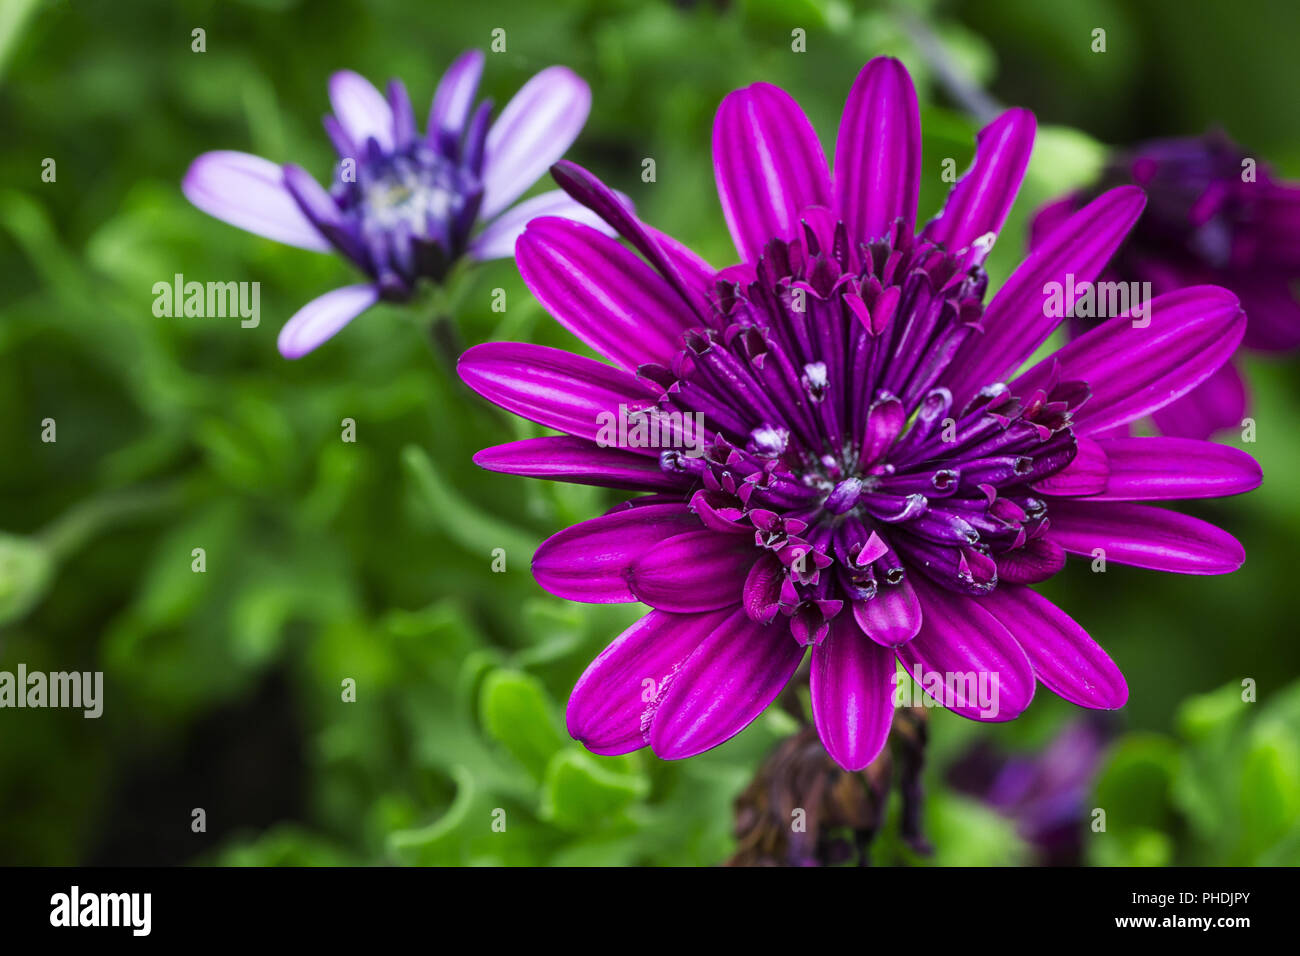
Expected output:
(834, 440)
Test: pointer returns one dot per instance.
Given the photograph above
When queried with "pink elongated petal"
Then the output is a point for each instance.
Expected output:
(852, 694)
(694, 571)
(732, 676)
(892, 617)
(1143, 536)
(965, 658)
(878, 152)
(249, 192)
(591, 561)
(455, 94)
(1217, 404)
(603, 292)
(1018, 319)
(497, 240)
(576, 460)
(1152, 469)
(535, 129)
(572, 394)
(1067, 661)
(768, 165)
(980, 201)
(611, 706)
(362, 111)
(322, 318)
(1134, 370)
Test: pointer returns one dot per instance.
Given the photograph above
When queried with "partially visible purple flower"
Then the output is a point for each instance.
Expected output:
(1211, 217)
(1045, 794)
(876, 479)
(404, 206)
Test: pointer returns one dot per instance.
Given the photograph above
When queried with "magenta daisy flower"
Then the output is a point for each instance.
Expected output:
(874, 479)
(404, 206)
(1213, 215)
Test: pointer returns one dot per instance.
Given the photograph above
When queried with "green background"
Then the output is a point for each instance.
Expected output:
(372, 561)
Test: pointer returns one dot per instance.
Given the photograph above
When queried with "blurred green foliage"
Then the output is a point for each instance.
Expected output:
(372, 562)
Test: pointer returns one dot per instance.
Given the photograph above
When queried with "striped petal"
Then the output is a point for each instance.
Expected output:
(852, 689)
(249, 192)
(1144, 536)
(768, 164)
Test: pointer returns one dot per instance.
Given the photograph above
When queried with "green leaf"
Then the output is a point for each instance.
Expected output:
(580, 791)
(517, 712)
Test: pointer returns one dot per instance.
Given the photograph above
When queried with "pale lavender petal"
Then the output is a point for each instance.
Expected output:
(965, 658)
(575, 395)
(249, 192)
(695, 571)
(591, 561)
(1066, 660)
(362, 110)
(980, 201)
(602, 292)
(535, 129)
(1143, 536)
(497, 240)
(852, 689)
(322, 318)
(610, 709)
(878, 152)
(723, 686)
(455, 95)
(1131, 370)
(768, 165)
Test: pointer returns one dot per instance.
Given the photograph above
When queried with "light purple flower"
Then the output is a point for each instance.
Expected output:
(1213, 215)
(869, 487)
(404, 206)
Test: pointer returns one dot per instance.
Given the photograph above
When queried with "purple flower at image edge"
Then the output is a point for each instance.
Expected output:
(868, 486)
(1045, 794)
(1214, 215)
(404, 206)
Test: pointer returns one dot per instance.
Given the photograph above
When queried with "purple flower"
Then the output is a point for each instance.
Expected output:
(403, 206)
(867, 483)
(1215, 216)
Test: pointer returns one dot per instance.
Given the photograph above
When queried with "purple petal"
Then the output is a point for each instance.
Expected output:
(322, 318)
(552, 387)
(723, 686)
(612, 704)
(852, 694)
(982, 197)
(1017, 321)
(1133, 371)
(1086, 474)
(1143, 536)
(362, 110)
(455, 96)
(576, 460)
(591, 561)
(1151, 469)
(249, 192)
(695, 571)
(878, 152)
(534, 130)
(497, 240)
(1067, 661)
(983, 671)
(768, 164)
(892, 617)
(603, 293)
(680, 271)
(1217, 404)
